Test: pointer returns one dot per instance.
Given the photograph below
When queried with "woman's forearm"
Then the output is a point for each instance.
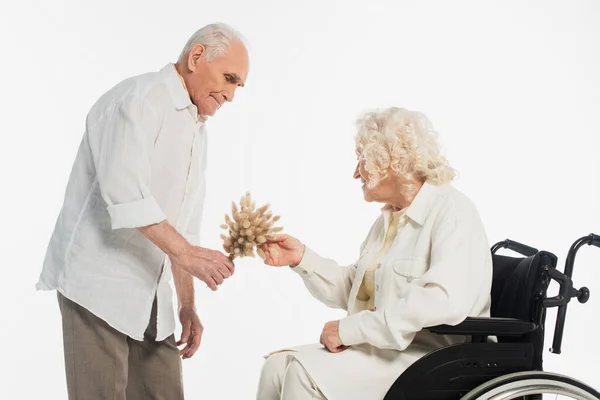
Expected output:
(326, 280)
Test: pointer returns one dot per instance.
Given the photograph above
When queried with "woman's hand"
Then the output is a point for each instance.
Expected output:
(330, 337)
(283, 250)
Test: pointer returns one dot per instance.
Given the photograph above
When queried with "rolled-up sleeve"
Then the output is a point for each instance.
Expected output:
(121, 142)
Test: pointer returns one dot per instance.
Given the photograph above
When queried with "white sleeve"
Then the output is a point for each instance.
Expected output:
(192, 233)
(121, 142)
(325, 279)
(459, 278)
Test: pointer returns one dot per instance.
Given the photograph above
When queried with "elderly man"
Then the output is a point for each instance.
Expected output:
(131, 218)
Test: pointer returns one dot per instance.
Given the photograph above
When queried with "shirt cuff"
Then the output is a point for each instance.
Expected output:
(307, 265)
(349, 330)
(136, 214)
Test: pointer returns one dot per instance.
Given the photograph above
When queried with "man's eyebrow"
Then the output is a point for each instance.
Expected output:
(236, 78)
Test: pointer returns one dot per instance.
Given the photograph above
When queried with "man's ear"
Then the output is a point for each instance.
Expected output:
(196, 56)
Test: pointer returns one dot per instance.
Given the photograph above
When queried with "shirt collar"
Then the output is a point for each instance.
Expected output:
(178, 92)
(420, 206)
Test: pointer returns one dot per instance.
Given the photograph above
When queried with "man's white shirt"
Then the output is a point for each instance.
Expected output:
(142, 160)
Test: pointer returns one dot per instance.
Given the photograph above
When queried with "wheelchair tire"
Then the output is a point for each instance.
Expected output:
(522, 384)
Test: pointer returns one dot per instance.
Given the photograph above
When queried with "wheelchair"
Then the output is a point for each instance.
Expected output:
(511, 366)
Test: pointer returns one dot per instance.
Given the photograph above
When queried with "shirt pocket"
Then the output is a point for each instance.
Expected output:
(409, 269)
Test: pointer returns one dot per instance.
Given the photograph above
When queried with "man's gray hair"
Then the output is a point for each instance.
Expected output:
(215, 37)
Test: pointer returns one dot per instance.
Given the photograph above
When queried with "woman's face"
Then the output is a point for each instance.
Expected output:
(390, 190)
(385, 190)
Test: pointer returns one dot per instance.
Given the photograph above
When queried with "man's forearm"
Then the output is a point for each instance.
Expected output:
(166, 238)
(184, 286)
(174, 245)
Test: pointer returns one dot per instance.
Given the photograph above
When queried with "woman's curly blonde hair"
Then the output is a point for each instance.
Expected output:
(402, 141)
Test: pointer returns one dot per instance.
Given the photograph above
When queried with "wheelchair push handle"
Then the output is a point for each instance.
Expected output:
(520, 248)
(567, 291)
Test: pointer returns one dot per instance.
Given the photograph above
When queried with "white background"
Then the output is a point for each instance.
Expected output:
(512, 86)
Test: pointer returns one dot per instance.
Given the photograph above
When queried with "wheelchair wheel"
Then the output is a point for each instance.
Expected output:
(532, 385)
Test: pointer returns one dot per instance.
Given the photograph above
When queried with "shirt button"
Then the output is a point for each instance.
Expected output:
(377, 287)
(409, 279)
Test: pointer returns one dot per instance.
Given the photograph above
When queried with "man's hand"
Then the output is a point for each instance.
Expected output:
(330, 337)
(210, 266)
(191, 331)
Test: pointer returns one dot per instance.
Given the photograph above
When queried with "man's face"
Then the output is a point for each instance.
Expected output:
(212, 83)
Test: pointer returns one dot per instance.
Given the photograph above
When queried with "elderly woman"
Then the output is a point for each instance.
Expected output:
(426, 261)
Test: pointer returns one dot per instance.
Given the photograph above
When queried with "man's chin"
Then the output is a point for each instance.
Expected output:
(204, 114)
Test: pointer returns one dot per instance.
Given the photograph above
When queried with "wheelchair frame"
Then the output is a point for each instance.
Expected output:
(449, 373)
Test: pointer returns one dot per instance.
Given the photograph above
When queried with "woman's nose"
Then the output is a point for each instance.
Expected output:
(356, 172)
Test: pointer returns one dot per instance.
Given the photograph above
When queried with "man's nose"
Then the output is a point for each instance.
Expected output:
(229, 94)
(357, 172)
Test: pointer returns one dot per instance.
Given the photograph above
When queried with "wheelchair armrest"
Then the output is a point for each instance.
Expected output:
(477, 326)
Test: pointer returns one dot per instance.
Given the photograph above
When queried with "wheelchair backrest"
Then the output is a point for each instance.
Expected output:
(519, 288)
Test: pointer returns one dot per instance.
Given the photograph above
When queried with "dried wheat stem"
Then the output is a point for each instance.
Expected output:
(247, 228)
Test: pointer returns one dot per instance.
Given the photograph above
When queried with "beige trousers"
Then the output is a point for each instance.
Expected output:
(284, 378)
(102, 363)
